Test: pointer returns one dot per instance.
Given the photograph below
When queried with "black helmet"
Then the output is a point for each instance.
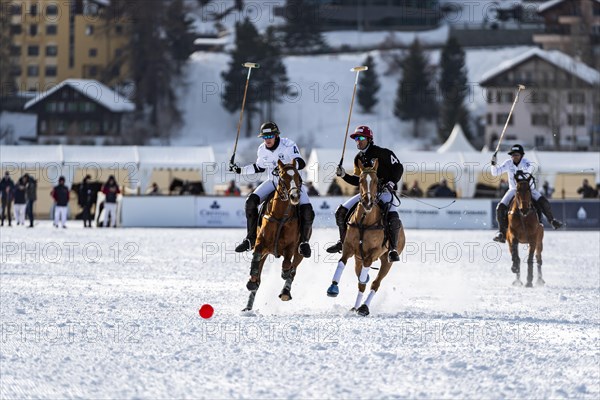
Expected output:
(268, 128)
(517, 148)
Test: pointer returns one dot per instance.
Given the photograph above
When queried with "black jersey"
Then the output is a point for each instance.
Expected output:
(390, 168)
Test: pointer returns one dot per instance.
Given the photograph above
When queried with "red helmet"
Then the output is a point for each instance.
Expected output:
(362, 130)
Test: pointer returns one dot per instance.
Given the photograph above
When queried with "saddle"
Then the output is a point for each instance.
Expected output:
(538, 209)
(262, 208)
(383, 223)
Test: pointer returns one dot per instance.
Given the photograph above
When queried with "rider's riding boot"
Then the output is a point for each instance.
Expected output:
(307, 216)
(394, 226)
(502, 218)
(340, 220)
(252, 203)
(547, 211)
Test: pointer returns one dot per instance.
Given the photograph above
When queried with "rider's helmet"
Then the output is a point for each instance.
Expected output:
(363, 130)
(517, 148)
(268, 129)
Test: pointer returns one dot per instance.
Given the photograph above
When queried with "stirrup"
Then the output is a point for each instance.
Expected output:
(393, 255)
(556, 223)
(244, 246)
(304, 249)
(336, 248)
(500, 238)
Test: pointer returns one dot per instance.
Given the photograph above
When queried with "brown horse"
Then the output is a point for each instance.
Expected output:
(524, 226)
(278, 233)
(365, 238)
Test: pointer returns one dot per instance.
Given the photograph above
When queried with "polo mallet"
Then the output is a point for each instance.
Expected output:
(357, 70)
(248, 65)
(521, 87)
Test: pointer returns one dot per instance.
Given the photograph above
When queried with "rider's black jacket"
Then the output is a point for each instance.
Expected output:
(390, 168)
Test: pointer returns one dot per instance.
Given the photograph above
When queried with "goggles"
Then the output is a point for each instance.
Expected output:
(268, 136)
(357, 138)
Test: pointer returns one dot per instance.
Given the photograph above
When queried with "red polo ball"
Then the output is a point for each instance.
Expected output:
(206, 311)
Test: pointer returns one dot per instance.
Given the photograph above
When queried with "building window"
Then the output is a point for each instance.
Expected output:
(508, 97)
(538, 141)
(491, 96)
(33, 9)
(60, 106)
(15, 29)
(43, 126)
(576, 98)
(71, 106)
(93, 71)
(93, 52)
(52, 10)
(577, 119)
(61, 126)
(15, 51)
(89, 30)
(15, 9)
(15, 70)
(90, 107)
(490, 119)
(51, 50)
(33, 30)
(51, 106)
(538, 97)
(539, 119)
(33, 51)
(501, 119)
(51, 30)
(33, 70)
(51, 70)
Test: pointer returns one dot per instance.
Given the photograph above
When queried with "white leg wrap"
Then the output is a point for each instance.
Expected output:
(364, 274)
(370, 297)
(359, 297)
(338, 272)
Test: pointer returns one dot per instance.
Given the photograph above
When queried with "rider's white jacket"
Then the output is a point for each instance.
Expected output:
(509, 166)
(286, 151)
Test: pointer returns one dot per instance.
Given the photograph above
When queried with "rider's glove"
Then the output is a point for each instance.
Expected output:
(390, 186)
(339, 171)
(234, 167)
(494, 159)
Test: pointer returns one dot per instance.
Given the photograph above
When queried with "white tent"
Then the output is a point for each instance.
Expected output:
(457, 141)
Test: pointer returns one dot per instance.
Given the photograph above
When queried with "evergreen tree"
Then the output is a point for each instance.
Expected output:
(415, 98)
(272, 77)
(368, 86)
(248, 47)
(453, 85)
(180, 33)
(303, 28)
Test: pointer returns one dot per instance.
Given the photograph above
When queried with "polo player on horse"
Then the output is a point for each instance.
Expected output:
(517, 165)
(389, 173)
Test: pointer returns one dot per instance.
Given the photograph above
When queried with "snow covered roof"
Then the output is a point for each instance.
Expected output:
(107, 156)
(549, 4)
(555, 57)
(92, 89)
(457, 141)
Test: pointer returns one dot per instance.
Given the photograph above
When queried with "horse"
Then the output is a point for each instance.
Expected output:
(524, 226)
(365, 239)
(278, 233)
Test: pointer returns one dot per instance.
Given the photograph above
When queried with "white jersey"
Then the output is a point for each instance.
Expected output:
(266, 160)
(509, 166)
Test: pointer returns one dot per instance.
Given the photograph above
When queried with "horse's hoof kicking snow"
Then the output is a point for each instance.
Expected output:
(252, 286)
(363, 310)
(333, 290)
(285, 295)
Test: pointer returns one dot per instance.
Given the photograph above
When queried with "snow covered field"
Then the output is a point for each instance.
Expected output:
(113, 313)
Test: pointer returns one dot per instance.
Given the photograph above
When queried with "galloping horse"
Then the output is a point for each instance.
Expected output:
(366, 236)
(524, 226)
(278, 233)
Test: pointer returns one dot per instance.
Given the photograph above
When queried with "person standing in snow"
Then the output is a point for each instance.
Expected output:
(111, 191)
(60, 194)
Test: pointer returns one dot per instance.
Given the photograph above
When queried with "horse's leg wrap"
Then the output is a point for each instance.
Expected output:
(338, 272)
(530, 269)
(340, 221)
(547, 211)
(502, 218)
(255, 265)
(252, 204)
(516, 266)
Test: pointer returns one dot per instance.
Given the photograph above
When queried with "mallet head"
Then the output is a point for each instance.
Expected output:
(250, 65)
(521, 87)
(358, 69)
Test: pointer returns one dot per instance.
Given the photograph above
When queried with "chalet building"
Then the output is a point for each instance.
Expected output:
(79, 111)
(573, 27)
(559, 110)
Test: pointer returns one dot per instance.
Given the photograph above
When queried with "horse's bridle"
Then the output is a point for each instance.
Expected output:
(285, 192)
(366, 199)
(527, 181)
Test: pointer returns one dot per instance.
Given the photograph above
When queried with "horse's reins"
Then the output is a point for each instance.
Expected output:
(286, 215)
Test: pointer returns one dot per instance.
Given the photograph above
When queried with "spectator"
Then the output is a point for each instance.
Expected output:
(232, 189)
(60, 194)
(20, 201)
(111, 191)
(153, 190)
(7, 187)
(311, 190)
(586, 191)
(415, 190)
(30, 196)
(404, 190)
(502, 188)
(443, 190)
(86, 197)
(334, 189)
(547, 191)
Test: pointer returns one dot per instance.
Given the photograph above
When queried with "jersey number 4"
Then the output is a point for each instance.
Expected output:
(394, 160)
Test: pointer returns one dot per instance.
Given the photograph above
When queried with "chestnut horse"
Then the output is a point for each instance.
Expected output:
(278, 233)
(365, 238)
(524, 226)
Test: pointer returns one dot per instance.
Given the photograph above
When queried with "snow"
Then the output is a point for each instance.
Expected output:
(548, 5)
(92, 89)
(437, 36)
(555, 57)
(118, 318)
(21, 125)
